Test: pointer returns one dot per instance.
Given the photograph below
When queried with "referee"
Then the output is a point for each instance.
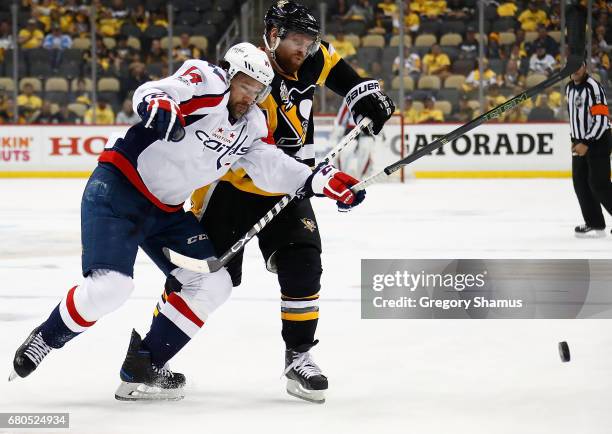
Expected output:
(591, 146)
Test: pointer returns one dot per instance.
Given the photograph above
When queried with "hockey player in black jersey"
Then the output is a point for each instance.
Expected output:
(290, 244)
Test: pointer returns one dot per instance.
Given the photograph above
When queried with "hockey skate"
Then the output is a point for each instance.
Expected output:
(29, 355)
(584, 231)
(304, 378)
(141, 380)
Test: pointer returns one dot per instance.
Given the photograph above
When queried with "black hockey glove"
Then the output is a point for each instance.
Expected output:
(164, 116)
(367, 100)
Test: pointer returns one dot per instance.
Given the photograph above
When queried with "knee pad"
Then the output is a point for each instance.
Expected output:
(203, 293)
(299, 270)
(102, 292)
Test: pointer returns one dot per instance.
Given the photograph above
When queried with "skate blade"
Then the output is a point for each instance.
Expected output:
(142, 392)
(294, 388)
(13, 376)
(591, 234)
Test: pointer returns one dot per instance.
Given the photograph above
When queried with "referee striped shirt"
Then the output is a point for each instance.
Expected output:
(588, 110)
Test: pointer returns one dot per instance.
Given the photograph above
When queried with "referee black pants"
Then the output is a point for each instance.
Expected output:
(591, 176)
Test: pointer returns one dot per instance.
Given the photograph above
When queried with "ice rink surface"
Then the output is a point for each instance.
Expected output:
(386, 376)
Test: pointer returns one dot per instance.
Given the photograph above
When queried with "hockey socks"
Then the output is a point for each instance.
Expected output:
(173, 326)
(300, 317)
(64, 323)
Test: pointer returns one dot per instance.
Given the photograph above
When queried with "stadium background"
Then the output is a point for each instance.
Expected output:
(53, 51)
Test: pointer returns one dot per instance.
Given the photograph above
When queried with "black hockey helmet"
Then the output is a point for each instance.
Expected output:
(289, 16)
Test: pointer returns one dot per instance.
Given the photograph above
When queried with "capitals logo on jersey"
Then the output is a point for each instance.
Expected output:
(225, 143)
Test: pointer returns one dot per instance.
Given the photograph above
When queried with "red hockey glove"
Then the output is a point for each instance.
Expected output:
(328, 181)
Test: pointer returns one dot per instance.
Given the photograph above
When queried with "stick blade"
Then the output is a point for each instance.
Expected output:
(191, 264)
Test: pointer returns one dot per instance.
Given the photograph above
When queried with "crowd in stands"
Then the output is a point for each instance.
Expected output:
(440, 63)
(441, 67)
(55, 57)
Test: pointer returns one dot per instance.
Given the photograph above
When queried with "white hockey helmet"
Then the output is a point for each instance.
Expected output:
(252, 61)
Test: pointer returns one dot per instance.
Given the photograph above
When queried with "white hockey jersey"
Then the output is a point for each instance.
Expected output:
(167, 172)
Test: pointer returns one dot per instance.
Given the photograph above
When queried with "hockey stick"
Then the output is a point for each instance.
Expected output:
(576, 21)
(212, 265)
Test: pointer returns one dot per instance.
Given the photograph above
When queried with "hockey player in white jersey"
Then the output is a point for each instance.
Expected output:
(196, 125)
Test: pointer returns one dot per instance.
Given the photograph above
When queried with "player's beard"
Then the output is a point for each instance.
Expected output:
(289, 64)
(238, 110)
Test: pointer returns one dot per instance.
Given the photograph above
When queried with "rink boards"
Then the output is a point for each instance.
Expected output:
(515, 150)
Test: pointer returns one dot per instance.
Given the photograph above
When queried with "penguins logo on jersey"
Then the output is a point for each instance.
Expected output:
(309, 224)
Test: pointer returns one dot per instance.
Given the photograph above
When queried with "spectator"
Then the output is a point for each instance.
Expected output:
(507, 9)
(343, 47)
(358, 69)
(122, 53)
(158, 18)
(81, 24)
(512, 79)
(31, 36)
(600, 39)
(531, 17)
(65, 21)
(436, 63)
(127, 115)
(430, 8)
(6, 39)
(108, 25)
(82, 95)
(103, 56)
(136, 77)
(44, 115)
(460, 9)
(119, 10)
(140, 16)
(28, 100)
(554, 99)
(104, 114)
(493, 99)
(429, 113)
(473, 79)
(412, 22)
(4, 104)
(545, 39)
(411, 115)
(361, 11)
(469, 46)
(541, 62)
(600, 63)
(7, 113)
(387, 11)
(541, 112)
(464, 112)
(65, 116)
(56, 42)
(525, 48)
(412, 64)
(156, 53)
(186, 50)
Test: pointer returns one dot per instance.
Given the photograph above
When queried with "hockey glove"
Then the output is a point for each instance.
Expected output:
(367, 100)
(328, 181)
(164, 116)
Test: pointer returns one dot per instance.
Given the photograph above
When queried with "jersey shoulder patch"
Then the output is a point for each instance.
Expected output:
(207, 77)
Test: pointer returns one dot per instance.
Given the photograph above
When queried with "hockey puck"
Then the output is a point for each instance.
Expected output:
(564, 352)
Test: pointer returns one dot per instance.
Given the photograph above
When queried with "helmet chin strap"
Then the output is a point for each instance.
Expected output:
(272, 51)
